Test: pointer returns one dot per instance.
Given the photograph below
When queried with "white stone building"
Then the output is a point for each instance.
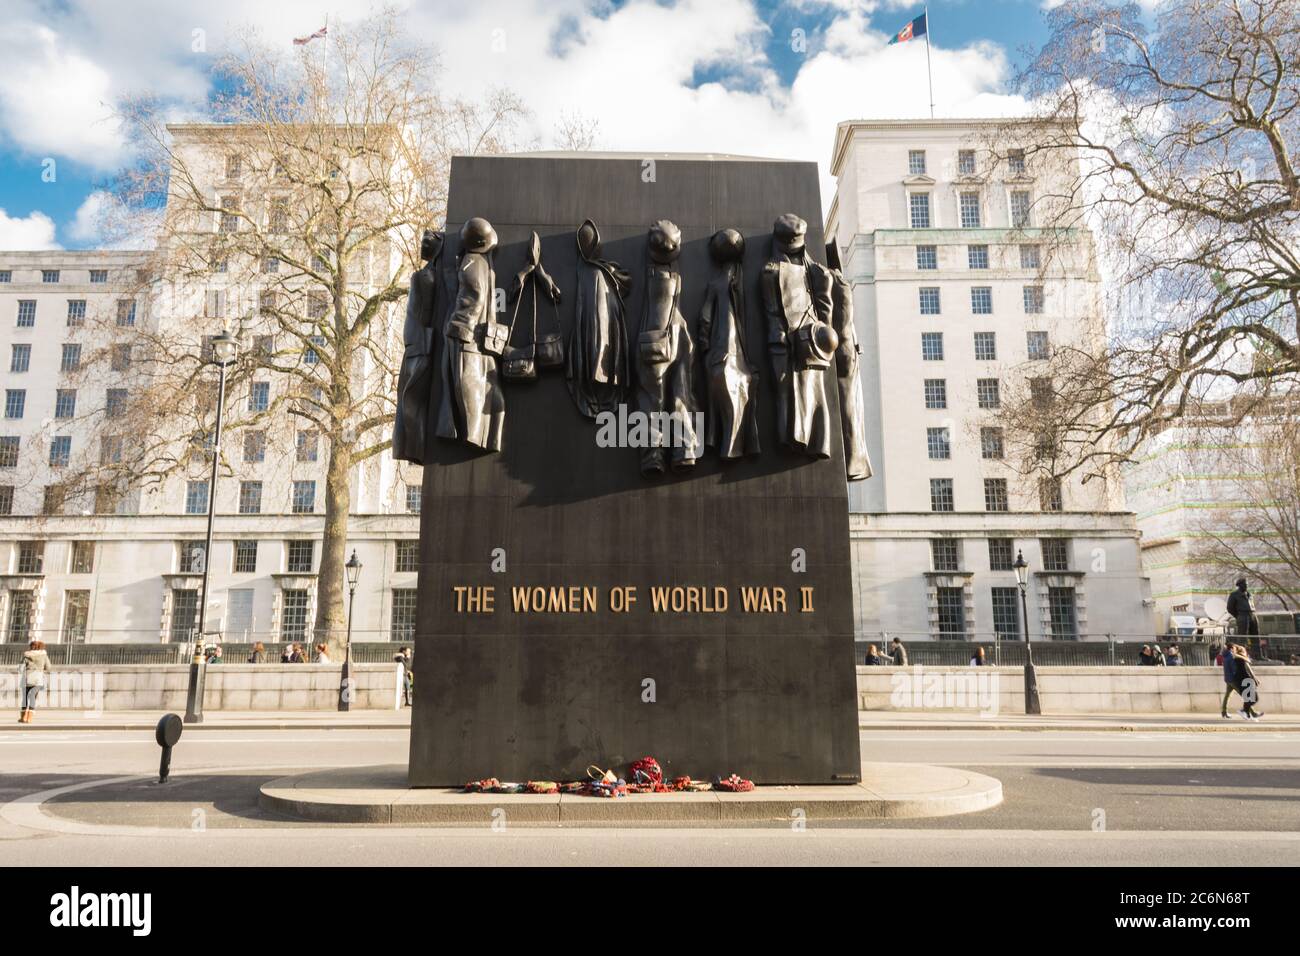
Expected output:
(78, 565)
(957, 294)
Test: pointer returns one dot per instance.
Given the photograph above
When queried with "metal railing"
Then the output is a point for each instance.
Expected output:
(91, 655)
(1084, 651)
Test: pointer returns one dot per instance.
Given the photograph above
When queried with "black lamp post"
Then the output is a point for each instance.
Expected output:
(224, 350)
(353, 569)
(1032, 705)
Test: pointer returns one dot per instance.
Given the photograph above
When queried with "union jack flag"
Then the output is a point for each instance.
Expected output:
(303, 41)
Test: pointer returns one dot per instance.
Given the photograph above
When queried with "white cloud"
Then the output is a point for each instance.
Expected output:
(86, 225)
(34, 231)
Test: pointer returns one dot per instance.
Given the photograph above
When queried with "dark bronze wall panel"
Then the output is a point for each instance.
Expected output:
(519, 696)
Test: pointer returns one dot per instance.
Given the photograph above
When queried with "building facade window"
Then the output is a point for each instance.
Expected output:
(6, 275)
(986, 346)
(1020, 209)
(196, 497)
(110, 449)
(928, 297)
(65, 402)
(965, 162)
(977, 257)
(1049, 494)
(189, 557)
(937, 444)
(1038, 346)
(943, 554)
(413, 495)
(31, 557)
(9, 451)
(995, 494)
(1033, 299)
(229, 219)
(987, 393)
(293, 614)
(245, 557)
(1031, 257)
(120, 358)
(250, 497)
(259, 396)
(981, 300)
(936, 393)
(6, 499)
(71, 361)
(1016, 162)
(941, 494)
(1000, 558)
(98, 276)
(1056, 554)
(1006, 613)
(20, 358)
(15, 402)
(304, 497)
(60, 451)
(53, 500)
(306, 444)
(971, 217)
(916, 162)
(26, 313)
(300, 556)
(254, 446)
(125, 313)
(406, 555)
(951, 603)
(76, 313)
(919, 210)
(1062, 610)
(115, 403)
(932, 346)
(991, 444)
(49, 275)
(82, 559)
(76, 615)
(927, 257)
(402, 626)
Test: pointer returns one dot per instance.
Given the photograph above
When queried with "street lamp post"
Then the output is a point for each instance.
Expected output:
(224, 349)
(1032, 705)
(353, 569)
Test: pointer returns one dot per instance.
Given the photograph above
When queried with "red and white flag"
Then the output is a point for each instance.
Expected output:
(303, 41)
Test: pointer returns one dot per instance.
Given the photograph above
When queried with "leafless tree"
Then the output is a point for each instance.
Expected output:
(293, 219)
(1186, 126)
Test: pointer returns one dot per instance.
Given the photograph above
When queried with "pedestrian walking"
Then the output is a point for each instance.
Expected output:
(898, 652)
(977, 660)
(36, 665)
(1146, 658)
(1173, 658)
(1247, 684)
(214, 654)
(322, 655)
(403, 676)
(410, 674)
(259, 654)
(1229, 678)
(296, 656)
(874, 659)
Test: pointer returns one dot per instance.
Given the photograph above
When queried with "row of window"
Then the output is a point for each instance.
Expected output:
(996, 496)
(930, 302)
(1061, 604)
(76, 313)
(966, 165)
(938, 443)
(970, 209)
(50, 276)
(196, 496)
(945, 554)
(1037, 344)
(977, 257)
(988, 393)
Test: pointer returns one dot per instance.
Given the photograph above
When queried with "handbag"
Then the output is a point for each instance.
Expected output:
(550, 345)
(519, 363)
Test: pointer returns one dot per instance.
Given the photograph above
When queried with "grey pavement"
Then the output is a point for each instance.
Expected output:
(1082, 798)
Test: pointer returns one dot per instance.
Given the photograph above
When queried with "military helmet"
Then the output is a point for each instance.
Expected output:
(477, 235)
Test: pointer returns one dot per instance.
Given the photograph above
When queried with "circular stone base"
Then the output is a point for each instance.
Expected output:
(379, 795)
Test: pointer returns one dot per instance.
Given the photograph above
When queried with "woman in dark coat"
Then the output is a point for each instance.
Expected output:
(732, 424)
(425, 306)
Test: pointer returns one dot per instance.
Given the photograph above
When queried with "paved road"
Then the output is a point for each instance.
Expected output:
(1105, 798)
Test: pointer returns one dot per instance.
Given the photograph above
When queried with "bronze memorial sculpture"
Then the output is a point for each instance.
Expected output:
(425, 307)
(473, 408)
(853, 414)
(800, 339)
(732, 422)
(597, 362)
(521, 362)
(664, 359)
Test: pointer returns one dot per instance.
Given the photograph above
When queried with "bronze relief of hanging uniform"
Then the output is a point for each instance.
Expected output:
(596, 362)
(665, 358)
(853, 412)
(473, 407)
(800, 339)
(425, 306)
(732, 382)
(522, 362)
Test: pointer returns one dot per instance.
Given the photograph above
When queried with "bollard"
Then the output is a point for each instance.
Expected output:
(167, 733)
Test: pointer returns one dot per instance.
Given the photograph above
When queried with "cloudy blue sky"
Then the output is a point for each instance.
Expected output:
(691, 75)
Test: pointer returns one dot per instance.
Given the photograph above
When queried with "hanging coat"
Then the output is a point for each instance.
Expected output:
(796, 292)
(473, 406)
(853, 413)
(732, 423)
(596, 361)
(425, 306)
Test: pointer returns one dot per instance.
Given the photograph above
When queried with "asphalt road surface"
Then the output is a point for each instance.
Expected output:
(1081, 798)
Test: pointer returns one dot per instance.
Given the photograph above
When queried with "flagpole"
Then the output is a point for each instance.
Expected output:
(928, 73)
